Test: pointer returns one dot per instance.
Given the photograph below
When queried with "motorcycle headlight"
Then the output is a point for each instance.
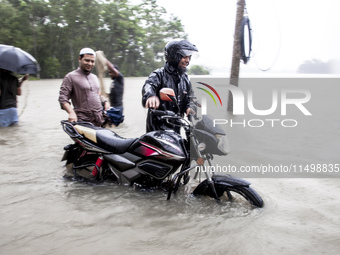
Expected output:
(223, 144)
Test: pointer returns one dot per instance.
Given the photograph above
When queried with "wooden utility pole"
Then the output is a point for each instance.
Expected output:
(235, 65)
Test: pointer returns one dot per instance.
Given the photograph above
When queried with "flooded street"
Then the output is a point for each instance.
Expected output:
(43, 213)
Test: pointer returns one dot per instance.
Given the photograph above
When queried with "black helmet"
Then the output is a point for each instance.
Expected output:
(176, 49)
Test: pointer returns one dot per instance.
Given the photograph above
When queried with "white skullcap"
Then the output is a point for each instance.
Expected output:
(87, 51)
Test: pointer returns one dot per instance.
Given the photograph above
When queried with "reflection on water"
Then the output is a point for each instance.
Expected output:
(43, 213)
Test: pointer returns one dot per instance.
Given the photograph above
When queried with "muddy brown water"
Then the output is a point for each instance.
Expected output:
(42, 213)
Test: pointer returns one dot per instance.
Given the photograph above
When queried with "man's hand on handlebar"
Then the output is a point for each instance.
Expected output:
(152, 102)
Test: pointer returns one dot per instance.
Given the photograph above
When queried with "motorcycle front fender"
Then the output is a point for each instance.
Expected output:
(230, 180)
(220, 181)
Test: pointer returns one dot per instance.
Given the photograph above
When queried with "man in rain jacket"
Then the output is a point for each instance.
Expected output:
(172, 75)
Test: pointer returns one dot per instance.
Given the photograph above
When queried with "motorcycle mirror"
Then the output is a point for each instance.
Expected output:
(167, 94)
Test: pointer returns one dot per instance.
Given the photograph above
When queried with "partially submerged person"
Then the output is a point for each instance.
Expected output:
(172, 75)
(116, 94)
(10, 88)
(82, 88)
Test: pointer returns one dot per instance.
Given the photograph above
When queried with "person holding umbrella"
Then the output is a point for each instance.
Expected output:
(10, 88)
(16, 60)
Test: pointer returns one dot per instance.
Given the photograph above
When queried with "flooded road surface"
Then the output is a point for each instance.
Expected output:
(42, 213)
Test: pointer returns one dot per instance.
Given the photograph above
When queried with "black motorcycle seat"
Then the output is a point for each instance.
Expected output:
(112, 142)
(106, 139)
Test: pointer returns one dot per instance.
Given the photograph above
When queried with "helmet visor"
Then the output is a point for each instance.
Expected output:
(185, 53)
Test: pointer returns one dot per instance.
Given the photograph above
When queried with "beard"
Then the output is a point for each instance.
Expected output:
(181, 70)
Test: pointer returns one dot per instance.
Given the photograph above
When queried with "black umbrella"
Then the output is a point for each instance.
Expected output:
(16, 60)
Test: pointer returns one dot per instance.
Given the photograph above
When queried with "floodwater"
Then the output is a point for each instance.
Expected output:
(43, 213)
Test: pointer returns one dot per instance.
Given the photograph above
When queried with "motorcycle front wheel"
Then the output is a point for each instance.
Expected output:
(223, 187)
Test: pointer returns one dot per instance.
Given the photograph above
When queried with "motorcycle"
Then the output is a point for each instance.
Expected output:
(160, 159)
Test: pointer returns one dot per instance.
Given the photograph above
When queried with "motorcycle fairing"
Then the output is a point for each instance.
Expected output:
(161, 145)
(211, 142)
(207, 124)
(122, 162)
(90, 146)
(132, 171)
(155, 168)
(127, 167)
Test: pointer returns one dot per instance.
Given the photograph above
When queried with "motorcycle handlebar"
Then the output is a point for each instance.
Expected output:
(168, 115)
(162, 113)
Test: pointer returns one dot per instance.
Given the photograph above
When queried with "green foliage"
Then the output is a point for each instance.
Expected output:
(52, 67)
(198, 70)
(53, 31)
